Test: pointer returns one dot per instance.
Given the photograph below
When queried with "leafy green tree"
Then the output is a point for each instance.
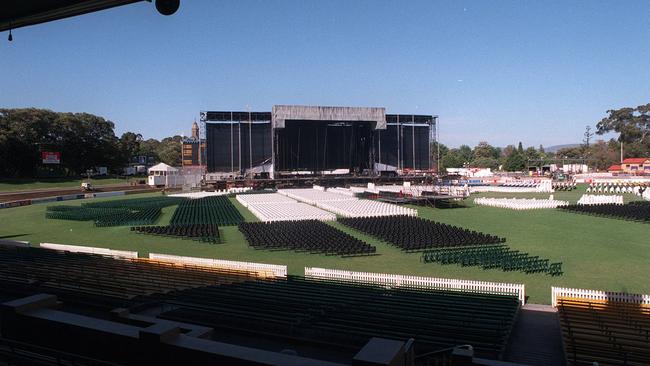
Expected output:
(515, 162)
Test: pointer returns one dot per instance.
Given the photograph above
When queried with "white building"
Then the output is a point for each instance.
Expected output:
(163, 175)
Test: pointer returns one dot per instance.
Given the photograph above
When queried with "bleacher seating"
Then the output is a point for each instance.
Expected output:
(633, 211)
(413, 233)
(345, 316)
(488, 257)
(309, 236)
(609, 333)
(99, 280)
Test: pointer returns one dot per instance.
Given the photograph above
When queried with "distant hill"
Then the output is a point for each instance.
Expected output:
(555, 148)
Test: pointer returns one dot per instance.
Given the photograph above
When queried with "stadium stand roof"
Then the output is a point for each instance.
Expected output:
(21, 13)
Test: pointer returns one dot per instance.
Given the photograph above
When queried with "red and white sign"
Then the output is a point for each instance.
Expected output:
(51, 157)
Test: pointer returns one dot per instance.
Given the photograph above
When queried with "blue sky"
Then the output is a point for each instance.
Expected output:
(501, 71)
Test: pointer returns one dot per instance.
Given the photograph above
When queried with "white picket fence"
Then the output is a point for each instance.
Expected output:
(419, 282)
(276, 270)
(576, 293)
(92, 250)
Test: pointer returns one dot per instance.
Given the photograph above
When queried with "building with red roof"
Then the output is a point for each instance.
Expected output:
(636, 166)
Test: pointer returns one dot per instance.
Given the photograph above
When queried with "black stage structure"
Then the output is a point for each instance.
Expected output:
(315, 141)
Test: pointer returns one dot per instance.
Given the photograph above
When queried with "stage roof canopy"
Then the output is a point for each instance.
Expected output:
(282, 113)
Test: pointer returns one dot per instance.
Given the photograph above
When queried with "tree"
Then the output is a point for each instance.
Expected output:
(453, 159)
(602, 155)
(170, 150)
(84, 140)
(465, 153)
(485, 162)
(484, 150)
(515, 162)
(632, 124)
(130, 144)
(587, 136)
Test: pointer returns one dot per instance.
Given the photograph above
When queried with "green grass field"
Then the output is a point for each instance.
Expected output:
(12, 185)
(597, 253)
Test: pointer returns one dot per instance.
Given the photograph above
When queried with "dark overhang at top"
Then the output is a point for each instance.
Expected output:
(21, 13)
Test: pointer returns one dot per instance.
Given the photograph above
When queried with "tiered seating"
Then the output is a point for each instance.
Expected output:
(345, 316)
(215, 210)
(610, 333)
(519, 203)
(365, 208)
(413, 233)
(588, 199)
(488, 257)
(98, 280)
(201, 232)
(634, 211)
(310, 236)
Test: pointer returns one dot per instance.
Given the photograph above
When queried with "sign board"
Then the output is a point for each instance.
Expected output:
(51, 157)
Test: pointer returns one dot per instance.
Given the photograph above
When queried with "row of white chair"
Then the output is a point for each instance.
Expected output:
(263, 198)
(365, 208)
(313, 196)
(519, 203)
(289, 211)
(219, 192)
(588, 199)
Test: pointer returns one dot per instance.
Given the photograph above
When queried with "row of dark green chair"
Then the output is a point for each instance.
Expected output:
(311, 236)
(217, 210)
(105, 216)
(414, 234)
(200, 232)
(490, 257)
(137, 203)
(633, 211)
(142, 216)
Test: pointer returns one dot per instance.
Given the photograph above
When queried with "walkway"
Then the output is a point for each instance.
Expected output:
(536, 338)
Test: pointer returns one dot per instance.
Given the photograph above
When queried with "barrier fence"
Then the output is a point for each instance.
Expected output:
(576, 293)
(276, 270)
(419, 282)
(67, 197)
(92, 250)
